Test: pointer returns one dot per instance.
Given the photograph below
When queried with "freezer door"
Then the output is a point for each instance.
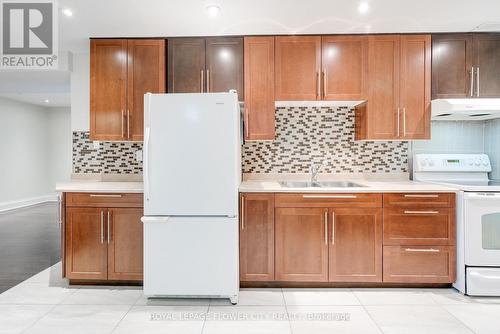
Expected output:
(192, 160)
(191, 257)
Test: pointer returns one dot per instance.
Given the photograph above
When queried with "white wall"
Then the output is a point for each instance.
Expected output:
(80, 92)
(35, 150)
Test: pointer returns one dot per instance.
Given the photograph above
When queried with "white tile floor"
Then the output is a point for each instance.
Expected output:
(45, 304)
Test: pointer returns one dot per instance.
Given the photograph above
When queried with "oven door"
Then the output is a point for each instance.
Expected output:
(482, 229)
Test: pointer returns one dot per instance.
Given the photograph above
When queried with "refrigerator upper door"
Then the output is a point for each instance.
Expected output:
(192, 159)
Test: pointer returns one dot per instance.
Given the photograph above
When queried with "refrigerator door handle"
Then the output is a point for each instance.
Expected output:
(147, 135)
(155, 219)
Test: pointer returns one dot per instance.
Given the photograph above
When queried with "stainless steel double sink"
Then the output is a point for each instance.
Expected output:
(321, 184)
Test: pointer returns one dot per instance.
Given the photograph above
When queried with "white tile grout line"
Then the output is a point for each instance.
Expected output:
(458, 319)
(119, 321)
(366, 311)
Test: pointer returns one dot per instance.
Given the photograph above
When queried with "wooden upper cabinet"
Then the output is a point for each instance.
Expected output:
(108, 89)
(186, 65)
(487, 65)
(301, 244)
(125, 248)
(298, 67)
(146, 74)
(259, 88)
(224, 57)
(344, 67)
(86, 248)
(451, 66)
(383, 96)
(415, 92)
(257, 237)
(121, 71)
(355, 231)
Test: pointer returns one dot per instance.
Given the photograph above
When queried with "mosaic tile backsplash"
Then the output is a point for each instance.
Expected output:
(109, 158)
(306, 134)
(303, 135)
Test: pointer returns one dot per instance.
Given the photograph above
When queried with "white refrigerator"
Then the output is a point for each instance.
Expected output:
(192, 171)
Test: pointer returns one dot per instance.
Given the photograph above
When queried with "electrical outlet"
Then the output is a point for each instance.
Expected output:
(138, 155)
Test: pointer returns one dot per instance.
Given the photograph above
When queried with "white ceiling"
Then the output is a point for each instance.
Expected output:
(157, 18)
(55, 99)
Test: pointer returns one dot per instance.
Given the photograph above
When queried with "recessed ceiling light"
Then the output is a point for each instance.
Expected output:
(363, 7)
(46, 101)
(67, 12)
(213, 10)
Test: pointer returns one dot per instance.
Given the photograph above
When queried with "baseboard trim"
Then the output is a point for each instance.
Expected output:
(25, 202)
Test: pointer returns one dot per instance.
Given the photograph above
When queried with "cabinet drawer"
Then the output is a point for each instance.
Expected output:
(116, 200)
(318, 200)
(419, 264)
(429, 200)
(426, 226)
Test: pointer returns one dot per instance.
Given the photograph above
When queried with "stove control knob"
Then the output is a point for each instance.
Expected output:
(431, 163)
(423, 163)
(470, 162)
(478, 163)
(485, 163)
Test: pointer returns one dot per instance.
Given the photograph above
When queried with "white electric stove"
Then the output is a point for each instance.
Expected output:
(478, 216)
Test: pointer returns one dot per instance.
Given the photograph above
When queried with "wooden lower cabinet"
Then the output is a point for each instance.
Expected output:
(125, 248)
(257, 237)
(103, 243)
(86, 251)
(419, 264)
(302, 244)
(356, 245)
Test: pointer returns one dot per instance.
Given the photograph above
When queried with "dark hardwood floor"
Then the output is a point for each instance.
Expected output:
(29, 243)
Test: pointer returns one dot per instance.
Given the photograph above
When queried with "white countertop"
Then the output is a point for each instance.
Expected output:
(100, 186)
(372, 183)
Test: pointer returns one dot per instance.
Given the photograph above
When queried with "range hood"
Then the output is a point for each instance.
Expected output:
(465, 109)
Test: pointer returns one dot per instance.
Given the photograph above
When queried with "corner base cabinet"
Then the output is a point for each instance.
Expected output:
(364, 238)
(102, 237)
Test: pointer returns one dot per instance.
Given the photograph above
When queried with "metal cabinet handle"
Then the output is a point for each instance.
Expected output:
(202, 79)
(102, 227)
(421, 196)
(333, 228)
(428, 250)
(123, 126)
(109, 222)
(208, 81)
(404, 122)
(329, 196)
(326, 227)
(477, 81)
(247, 125)
(398, 123)
(318, 85)
(242, 213)
(324, 83)
(421, 212)
(106, 195)
(128, 123)
(472, 82)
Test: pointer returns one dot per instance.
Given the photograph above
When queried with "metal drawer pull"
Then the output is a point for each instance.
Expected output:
(329, 196)
(429, 250)
(421, 196)
(421, 212)
(326, 228)
(102, 227)
(103, 195)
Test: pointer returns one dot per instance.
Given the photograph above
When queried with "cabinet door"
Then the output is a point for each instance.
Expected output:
(451, 66)
(345, 67)
(86, 249)
(257, 237)
(302, 244)
(125, 244)
(415, 87)
(225, 65)
(108, 89)
(356, 245)
(186, 65)
(259, 88)
(146, 74)
(383, 96)
(487, 65)
(298, 66)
